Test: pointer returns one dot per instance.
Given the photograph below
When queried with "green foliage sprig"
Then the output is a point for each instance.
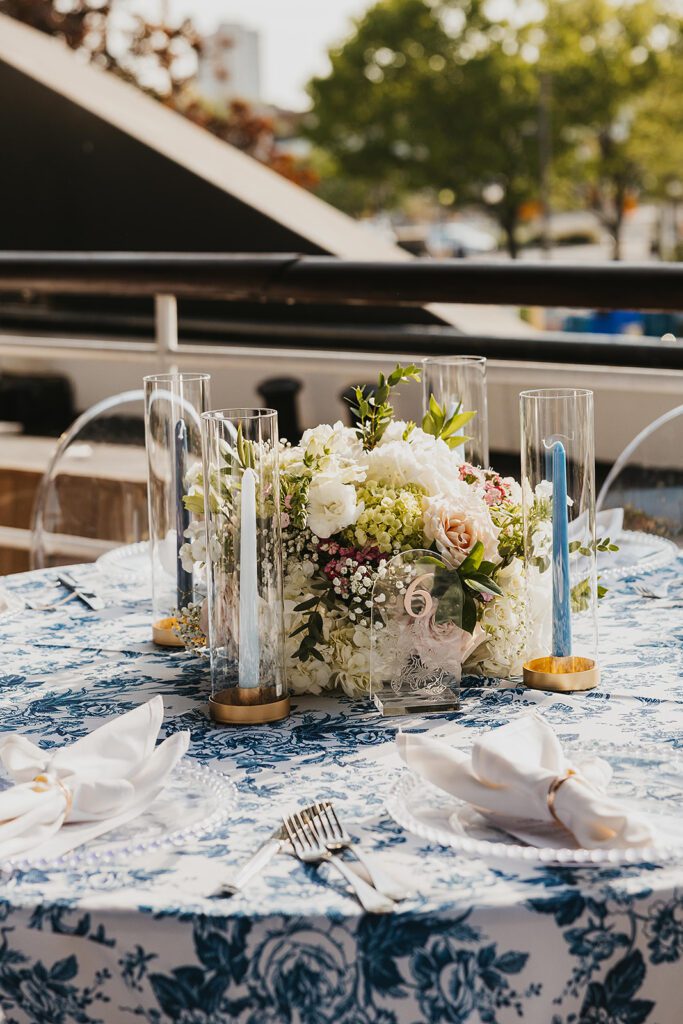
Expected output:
(459, 591)
(374, 411)
(437, 423)
(311, 629)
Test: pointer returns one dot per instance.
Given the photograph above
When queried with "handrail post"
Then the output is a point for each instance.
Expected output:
(166, 331)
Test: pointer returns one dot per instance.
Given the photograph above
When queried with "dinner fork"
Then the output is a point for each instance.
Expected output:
(652, 595)
(310, 850)
(332, 833)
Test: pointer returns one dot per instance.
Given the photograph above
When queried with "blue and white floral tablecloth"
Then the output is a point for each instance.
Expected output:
(141, 941)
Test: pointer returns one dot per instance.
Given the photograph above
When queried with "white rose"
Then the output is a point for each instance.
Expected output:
(332, 506)
(334, 438)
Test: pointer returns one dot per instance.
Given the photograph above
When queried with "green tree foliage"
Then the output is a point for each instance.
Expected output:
(439, 94)
(605, 58)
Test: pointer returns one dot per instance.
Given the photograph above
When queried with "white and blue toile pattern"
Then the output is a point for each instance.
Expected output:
(483, 943)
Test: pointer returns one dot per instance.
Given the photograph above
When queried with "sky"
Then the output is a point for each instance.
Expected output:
(295, 36)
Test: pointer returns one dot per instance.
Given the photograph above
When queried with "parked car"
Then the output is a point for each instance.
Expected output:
(458, 238)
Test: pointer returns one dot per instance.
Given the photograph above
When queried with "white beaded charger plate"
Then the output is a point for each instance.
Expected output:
(194, 802)
(647, 780)
(128, 563)
(638, 553)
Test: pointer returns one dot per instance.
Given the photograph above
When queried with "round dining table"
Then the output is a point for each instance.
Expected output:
(143, 935)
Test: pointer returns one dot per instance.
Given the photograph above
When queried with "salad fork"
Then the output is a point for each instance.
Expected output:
(652, 595)
(330, 830)
(311, 850)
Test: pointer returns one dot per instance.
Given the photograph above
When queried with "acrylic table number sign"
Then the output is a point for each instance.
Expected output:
(417, 645)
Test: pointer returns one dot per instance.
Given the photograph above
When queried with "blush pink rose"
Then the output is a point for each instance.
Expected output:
(456, 524)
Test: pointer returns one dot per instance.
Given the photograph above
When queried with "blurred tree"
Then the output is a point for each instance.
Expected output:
(161, 59)
(605, 58)
(435, 95)
(158, 57)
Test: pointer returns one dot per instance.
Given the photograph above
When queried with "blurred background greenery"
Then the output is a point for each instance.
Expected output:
(456, 126)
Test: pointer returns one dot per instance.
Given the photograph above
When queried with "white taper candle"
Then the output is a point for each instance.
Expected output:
(249, 656)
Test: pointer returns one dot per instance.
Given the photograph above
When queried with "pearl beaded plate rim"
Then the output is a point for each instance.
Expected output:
(128, 563)
(427, 812)
(639, 553)
(204, 798)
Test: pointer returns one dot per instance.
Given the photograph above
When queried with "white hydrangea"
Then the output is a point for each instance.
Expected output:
(430, 464)
(350, 646)
(503, 620)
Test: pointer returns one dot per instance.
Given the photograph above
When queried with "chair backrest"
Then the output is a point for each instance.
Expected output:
(93, 494)
(647, 479)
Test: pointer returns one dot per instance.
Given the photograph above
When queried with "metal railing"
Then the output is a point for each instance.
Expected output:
(322, 279)
(290, 279)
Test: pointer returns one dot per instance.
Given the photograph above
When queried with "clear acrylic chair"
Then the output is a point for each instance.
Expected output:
(93, 494)
(646, 480)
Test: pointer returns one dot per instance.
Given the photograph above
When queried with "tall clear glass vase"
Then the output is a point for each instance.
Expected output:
(560, 545)
(244, 566)
(459, 382)
(174, 403)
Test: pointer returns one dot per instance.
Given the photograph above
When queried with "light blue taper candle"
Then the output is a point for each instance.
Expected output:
(562, 626)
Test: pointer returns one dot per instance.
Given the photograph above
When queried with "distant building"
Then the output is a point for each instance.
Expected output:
(229, 64)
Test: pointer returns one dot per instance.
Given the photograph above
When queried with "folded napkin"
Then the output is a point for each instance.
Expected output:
(512, 776)
(65, 797)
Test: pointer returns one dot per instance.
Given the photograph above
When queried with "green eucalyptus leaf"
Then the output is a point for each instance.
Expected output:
(473, 561)
(469, 614)
(455, 442)
(483, 584)
(457, 421)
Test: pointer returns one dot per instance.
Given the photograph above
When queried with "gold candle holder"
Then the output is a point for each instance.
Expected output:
(561, 675)
(162, 633)
(248, 705)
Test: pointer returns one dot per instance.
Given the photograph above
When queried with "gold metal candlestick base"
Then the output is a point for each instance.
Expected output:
(162, 633)
(562, 675)
(248, 705)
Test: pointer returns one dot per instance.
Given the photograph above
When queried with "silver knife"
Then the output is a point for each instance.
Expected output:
(256, 863)
(85, 593)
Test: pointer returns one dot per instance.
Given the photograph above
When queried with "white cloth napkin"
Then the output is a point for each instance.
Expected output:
(507, 776)
(65, 797)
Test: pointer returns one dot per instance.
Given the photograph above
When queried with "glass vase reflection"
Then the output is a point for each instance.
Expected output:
(417, 650)
(244, 567)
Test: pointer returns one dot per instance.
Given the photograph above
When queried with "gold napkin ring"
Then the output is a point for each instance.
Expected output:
(552, 792)
(46, 781)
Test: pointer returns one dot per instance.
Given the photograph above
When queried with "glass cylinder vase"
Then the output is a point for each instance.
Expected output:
(459, 383)
(244, 566)
(560, 547)
(174, 403)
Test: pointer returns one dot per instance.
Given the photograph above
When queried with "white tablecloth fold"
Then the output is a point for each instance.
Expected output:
(508, 775)
(63, 797)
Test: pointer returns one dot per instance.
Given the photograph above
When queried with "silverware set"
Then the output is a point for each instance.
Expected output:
(316, 836)
(652, 595)
(76, 589)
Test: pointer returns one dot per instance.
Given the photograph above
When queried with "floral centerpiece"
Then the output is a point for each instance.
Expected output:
(352, 498)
